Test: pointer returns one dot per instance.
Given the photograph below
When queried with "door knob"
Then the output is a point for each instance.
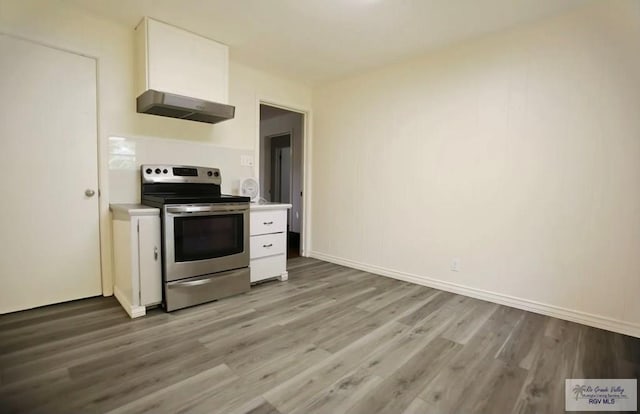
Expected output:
(89, 192)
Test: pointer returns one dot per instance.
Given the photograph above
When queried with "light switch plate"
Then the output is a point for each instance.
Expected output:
(246, 160)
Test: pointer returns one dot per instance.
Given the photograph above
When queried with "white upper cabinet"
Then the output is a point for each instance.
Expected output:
(173, 60)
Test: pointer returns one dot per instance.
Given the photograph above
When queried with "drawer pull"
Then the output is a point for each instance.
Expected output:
(267, 245)
(267, 223)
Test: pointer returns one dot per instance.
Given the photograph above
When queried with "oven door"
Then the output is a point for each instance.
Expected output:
(201, 239)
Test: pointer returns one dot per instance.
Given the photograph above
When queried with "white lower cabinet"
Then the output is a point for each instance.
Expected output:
(137, 258)
(268, 242)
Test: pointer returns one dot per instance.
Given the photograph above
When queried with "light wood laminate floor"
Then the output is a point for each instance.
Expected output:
(330, 340)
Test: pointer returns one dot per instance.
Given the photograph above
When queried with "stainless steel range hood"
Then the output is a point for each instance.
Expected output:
(183, 107)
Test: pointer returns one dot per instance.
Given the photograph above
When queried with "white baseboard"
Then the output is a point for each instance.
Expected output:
(133, 311)
(584, 318)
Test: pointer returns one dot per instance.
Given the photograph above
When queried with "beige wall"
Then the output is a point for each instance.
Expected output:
(518, 152)
(57, 24)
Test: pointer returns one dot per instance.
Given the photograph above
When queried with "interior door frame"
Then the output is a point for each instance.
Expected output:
(104, 217)
(305, 237)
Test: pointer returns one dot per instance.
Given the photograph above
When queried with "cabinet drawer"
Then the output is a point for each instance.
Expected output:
(271, 221)
(268, 267)
(268, 245)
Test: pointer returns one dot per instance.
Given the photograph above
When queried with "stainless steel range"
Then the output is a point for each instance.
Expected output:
(205, 234)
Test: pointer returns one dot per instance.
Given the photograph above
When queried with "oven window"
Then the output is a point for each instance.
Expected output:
(208, 237)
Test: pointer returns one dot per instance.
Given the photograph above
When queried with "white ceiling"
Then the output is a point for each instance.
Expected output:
(318, 40)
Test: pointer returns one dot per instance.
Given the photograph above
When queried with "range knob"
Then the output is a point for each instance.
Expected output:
(209, 173)
(165, 171)
(216, 174)
(157, 170)
(148, 170)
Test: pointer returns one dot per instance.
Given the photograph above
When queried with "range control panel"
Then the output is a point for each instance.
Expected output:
(179, 174)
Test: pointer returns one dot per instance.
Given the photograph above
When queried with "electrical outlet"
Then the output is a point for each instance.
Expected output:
(246, 160)
(455, 264)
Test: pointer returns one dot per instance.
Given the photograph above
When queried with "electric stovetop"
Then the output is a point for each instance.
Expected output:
(159, 200)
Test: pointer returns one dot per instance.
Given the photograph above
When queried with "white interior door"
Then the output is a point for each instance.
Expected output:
(49, 238)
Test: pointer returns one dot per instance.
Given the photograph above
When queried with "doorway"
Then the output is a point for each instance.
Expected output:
(281, 166)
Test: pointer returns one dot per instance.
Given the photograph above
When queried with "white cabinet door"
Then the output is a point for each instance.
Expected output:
(50, 236)
(269, 267)
(185, 63)
(149, 260)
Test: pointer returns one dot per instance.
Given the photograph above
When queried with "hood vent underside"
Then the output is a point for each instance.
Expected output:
(183, 107)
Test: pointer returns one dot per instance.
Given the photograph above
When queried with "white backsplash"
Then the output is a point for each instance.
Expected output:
(126, 154)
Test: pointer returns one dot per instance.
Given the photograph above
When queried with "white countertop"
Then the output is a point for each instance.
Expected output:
(269, 206)
(126, 210)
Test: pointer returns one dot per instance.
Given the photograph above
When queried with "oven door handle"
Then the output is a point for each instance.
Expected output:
(190, 284)
(206, 209)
